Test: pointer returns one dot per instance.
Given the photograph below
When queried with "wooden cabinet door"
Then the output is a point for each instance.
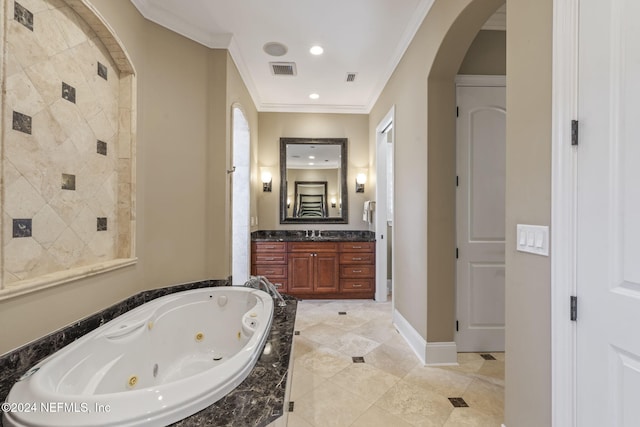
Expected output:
(327, 272)
(301, 272)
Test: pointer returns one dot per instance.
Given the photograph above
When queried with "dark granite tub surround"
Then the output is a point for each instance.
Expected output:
(18, 361)
(257, 401)
(302, 236)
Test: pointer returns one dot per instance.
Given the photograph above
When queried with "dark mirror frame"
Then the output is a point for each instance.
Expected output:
(344, 195)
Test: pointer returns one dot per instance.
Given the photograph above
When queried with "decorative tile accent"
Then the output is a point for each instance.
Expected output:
(102, 224)
(357, 359)
(22, 228)
(68, 182)
(296, 333)
(68, 92)
(458, 402)
(101, 147)
(290, 408)
(342, 313)
(21, 122)
(23, 15)
(102, 70)
(487, 357)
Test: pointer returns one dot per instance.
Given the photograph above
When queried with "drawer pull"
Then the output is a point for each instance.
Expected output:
(357, 271)
(269, 247)
(357, 285)
(357, 247)
(356, 259)
(269, 259)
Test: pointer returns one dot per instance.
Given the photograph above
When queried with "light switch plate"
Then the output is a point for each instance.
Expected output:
(532, 239)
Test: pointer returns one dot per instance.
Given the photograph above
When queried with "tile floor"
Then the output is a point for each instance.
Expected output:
(390, 388)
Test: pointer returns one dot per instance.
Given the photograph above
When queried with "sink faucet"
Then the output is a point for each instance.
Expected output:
(263, 284)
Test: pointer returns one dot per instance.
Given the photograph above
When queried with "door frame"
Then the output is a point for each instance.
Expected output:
(563, 211)
(472, 80)
(381, 208)
(240, 215)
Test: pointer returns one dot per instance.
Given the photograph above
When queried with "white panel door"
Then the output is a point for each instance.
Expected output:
(608, 213)
(480, 217)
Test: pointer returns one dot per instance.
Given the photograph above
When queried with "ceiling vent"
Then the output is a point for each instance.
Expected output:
(283, 68)
(351, 77)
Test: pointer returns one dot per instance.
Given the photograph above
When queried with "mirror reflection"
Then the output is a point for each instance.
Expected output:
(313, 180)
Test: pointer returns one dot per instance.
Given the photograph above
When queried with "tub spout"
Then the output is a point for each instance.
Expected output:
(262, 283)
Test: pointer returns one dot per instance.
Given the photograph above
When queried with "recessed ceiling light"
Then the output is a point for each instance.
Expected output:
(316, 50)
(311, 163)
(314, 96)
(275, 49)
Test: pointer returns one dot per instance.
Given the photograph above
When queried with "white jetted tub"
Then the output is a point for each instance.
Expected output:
(152, 366)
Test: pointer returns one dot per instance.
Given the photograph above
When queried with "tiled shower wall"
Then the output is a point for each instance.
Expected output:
(66, 166)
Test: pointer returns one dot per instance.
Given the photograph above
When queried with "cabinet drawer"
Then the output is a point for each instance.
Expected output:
(271, 271)
(357, 271)
(313, 247)
(269, 246)
(356, 258)
(347, 285)
(356, 246)
(269, 258)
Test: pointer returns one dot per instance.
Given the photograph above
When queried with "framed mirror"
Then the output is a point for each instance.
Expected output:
(313, 181)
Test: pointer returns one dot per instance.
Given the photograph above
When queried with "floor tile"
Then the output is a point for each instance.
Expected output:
(487, 397)
(324, 362)
(377, 417)
(416, 405)
(368, 382)
(445, 382)
(354, 345)
(392, 388)
(303, 381)
(329, 405)
(392, 360)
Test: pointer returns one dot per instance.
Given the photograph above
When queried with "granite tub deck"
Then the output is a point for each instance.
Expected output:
(327, 236)
(257, 401)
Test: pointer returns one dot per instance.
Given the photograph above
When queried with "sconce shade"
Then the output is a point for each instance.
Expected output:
(361, 179)
(266, 181)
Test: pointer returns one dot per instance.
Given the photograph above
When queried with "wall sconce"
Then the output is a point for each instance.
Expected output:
(266, 181)
(288, 202)
(333, 202)
(361, 179)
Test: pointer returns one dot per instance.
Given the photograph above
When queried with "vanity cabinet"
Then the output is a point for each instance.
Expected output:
(314, 267)
(269, 259)
(308, 269)
(357, 267)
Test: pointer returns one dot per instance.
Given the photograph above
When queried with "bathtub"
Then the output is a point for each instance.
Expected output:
(152, 366)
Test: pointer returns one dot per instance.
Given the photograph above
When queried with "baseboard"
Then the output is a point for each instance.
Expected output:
(411, 336)
(442, 353)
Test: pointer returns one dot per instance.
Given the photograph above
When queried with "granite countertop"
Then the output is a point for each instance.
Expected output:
(326, 236)
(259, 399)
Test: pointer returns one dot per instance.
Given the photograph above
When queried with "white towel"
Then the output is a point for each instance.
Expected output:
(365, 213)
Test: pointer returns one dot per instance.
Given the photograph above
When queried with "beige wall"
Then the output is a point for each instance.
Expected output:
(422, 91)
(185, 92)
(487, 55)
(528, 200)
(273, 126)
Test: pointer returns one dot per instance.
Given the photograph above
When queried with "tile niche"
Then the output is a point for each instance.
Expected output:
(68, 146)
